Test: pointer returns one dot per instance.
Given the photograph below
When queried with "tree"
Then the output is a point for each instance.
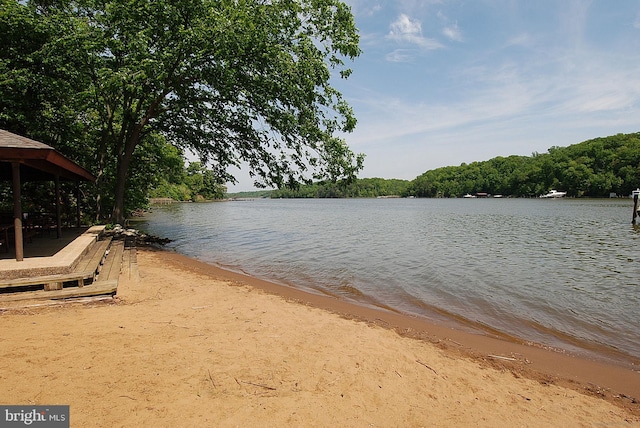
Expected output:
(203, 183)
(232, 80)
(193, 183)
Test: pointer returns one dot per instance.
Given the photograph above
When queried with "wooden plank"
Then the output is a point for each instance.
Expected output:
(95, 289)
(41, 280)
(130, 264)
(92, 260)
(85, 269)
(50, 286)
(111, 267)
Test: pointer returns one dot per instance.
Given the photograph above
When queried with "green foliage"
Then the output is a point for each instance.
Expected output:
(175, 191)
(358, 188)
(193, 183)
(249, 194)
(232, 80)
(592, 168)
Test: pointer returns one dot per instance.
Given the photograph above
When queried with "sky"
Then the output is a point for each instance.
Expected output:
(445, 82)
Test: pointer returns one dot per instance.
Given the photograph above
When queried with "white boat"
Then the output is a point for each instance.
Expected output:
(469, 196)
(554, 194)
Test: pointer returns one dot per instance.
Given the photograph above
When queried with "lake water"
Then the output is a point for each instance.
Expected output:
(563, 273)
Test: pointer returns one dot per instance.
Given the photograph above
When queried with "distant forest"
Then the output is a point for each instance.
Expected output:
(593, 168)
(358, 188)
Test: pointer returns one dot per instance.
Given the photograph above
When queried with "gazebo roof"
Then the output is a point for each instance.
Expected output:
(37, 160)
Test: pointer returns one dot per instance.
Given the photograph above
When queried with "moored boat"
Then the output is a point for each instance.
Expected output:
(554, 194)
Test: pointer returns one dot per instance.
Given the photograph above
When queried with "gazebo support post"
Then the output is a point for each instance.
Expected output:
(78, 223)
(17, 210)
(58, 208)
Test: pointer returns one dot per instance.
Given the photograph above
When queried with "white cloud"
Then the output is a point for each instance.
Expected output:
(407, 30)
(405, 27)
(605, 89)
(450, 29)
(370, 10)
(453, 32)
(523, 40)
(400, 55)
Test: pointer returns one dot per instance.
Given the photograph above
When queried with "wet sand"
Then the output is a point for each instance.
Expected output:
(188, 344)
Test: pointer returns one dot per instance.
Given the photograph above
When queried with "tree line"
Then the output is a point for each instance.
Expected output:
(593, 168)
(358, 188)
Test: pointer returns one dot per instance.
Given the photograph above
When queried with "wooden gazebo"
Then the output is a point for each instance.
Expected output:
(23, 159)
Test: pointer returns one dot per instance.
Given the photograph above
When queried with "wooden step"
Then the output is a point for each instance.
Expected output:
(94, 257)
(86, 268)
(46, 280)
(99, 288)
(111, 267)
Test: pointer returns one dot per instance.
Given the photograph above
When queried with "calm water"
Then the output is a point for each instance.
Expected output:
(563, 273)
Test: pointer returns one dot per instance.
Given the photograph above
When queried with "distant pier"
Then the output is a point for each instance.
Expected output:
(635, 194)
(161, 201)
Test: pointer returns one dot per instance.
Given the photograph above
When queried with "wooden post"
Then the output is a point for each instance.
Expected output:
(58, 208)
(17, 210)
(78, 213)
(50, 286)
(636, 194)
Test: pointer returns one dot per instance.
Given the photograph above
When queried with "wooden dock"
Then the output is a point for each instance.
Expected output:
(91, 267)
(162, 201)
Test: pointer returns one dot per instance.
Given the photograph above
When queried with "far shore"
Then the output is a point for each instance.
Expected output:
(186, 343)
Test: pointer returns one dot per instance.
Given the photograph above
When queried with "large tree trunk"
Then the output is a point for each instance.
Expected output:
(100, 184)
(124, 161)
(117, 215)
(124, 158)
(102, 156)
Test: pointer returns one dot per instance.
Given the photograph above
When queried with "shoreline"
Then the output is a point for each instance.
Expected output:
(185, 343)
(607, 379)
(566, 344)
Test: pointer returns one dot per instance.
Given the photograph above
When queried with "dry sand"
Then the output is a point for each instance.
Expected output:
(187, 344)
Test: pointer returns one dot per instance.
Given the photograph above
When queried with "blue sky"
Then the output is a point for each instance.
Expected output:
(445, 82)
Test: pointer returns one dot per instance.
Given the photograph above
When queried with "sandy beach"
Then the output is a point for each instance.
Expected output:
(187, 344)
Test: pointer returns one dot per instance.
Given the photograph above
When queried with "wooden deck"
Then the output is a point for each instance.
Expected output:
(93, 272)
(60, 257)
(44, 243)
